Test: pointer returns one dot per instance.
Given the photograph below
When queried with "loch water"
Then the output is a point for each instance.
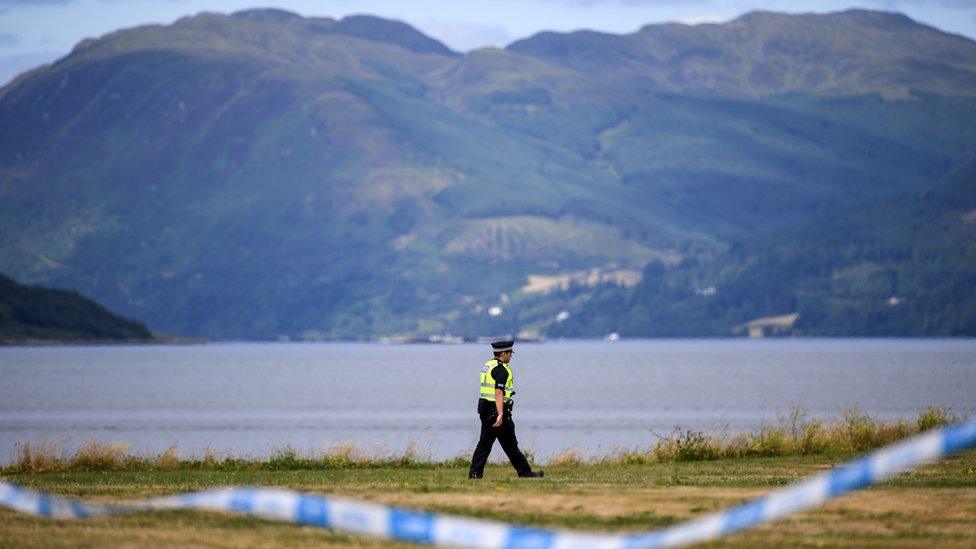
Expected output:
(249, 399)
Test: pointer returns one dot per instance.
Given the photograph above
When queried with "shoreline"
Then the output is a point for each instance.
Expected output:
(178, 340)
(159, 340)
(850, 434)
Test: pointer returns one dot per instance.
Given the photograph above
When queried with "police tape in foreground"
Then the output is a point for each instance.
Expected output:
(405, 525)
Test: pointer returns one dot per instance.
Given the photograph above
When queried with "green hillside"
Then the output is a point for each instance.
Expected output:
(899, 267)
(35, 313)
(262, 174)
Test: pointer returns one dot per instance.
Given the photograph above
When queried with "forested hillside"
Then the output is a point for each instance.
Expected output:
(899, 267)
(34, 313)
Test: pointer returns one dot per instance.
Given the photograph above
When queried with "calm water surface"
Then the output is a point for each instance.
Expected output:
(248, 399)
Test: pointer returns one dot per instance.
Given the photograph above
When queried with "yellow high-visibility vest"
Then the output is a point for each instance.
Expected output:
(488, 382)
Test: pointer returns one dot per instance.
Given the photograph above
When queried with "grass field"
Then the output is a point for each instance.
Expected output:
(934, 505)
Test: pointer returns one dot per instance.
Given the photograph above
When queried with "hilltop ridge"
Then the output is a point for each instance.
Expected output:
(767, 53)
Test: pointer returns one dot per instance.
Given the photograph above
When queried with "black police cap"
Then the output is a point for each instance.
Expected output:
(502, 346)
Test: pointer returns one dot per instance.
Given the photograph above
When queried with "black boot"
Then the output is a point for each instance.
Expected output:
(535, 474)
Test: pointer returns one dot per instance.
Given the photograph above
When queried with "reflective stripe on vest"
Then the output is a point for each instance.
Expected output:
(488, 382)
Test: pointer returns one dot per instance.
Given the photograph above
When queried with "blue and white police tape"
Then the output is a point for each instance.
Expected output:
(404, 525)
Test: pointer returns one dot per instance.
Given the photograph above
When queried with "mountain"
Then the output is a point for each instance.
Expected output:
(261, 174)
(762, 53)
(35, 313)
(902, 266)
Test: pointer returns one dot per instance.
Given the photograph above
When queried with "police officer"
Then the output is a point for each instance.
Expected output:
(495, 411)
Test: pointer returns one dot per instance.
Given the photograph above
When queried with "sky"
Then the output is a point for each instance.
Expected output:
(33, 32)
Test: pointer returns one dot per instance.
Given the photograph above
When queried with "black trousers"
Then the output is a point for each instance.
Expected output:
(505, 435)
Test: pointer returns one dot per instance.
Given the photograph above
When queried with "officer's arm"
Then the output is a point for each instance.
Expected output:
(501, 377)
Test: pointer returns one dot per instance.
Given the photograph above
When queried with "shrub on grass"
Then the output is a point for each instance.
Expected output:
(739, 445)
(687, 446)
(42, 457)
(341, 457)
(209, 460)
(286, 458)
(631, 457)
(934, 418)
(96, 455)
(408, 458)
(771, 442)
(814, 439)
(569, 457)
(891, 432)
(857, 430)
(169, 459)
(460, 460)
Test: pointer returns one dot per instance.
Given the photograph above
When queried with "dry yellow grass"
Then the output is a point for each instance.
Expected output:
(100, 455)
(39, 457)
(568, 457)
(169, 459)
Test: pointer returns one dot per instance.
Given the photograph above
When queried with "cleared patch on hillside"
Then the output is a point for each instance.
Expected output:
(540, 239)
(592, 277)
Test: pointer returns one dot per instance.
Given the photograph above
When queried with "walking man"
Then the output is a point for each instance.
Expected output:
(495, 411)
